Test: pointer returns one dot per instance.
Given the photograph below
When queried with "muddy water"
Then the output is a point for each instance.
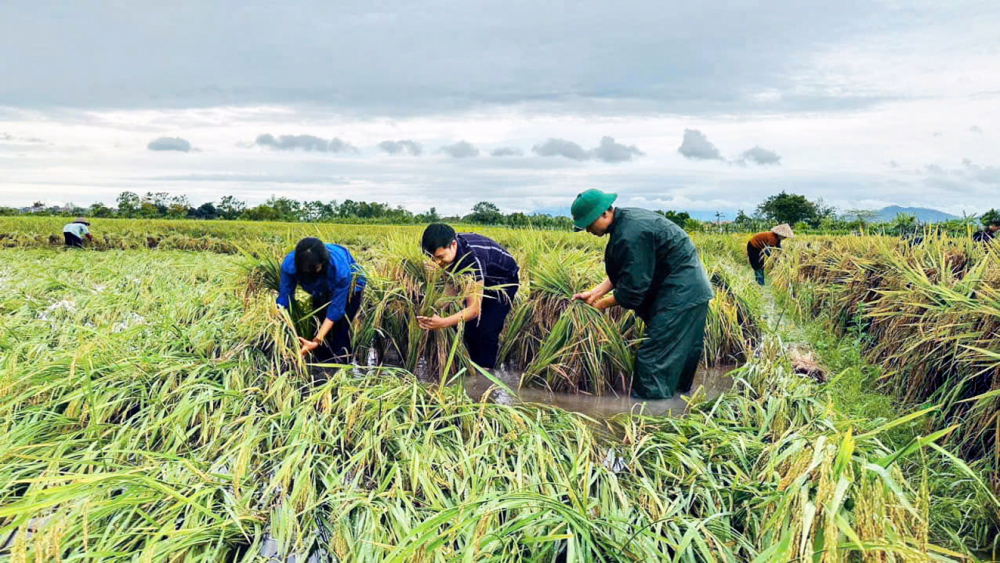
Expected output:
(712, 381)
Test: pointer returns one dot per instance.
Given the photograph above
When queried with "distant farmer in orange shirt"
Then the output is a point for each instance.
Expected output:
(760, 247)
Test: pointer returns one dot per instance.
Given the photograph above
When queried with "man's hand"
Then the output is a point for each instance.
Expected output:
(431, 323)
(605, 302)
(589, 297)
(307, 346)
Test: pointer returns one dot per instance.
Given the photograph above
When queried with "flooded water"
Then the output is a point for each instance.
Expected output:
(710, 381)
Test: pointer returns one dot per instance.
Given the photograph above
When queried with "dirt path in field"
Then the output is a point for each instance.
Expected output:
(780, 320)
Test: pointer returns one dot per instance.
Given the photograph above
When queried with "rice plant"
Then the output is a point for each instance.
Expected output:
(930, 314)
(178, 436)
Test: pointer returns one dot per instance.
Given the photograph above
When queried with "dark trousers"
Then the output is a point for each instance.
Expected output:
(670, 352)
(757, 257)
(482, 336)
(73, 240)
(336, 347)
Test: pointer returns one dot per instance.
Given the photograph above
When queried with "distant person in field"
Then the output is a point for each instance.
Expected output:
(760, 245)
(332, 277)
(75, 232)
(654, 269)
(495, 282)
(989, 233)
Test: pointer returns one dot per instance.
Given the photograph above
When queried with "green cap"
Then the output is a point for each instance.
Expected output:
(588, 206)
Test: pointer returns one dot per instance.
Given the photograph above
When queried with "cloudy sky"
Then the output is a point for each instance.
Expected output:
(700, 106)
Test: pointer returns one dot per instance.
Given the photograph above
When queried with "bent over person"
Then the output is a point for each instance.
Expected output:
(75, 232)
(329, 274)
(988, 233)
(495, 275)
(760, 245)
(654, 269)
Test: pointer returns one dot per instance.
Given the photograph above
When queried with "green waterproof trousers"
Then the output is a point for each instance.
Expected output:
(669, 353)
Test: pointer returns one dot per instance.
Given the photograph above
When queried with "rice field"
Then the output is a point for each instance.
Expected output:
(155, 409)
(930, 314)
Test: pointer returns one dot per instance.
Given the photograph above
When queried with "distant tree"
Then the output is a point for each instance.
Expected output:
(430, 216)
(286, 208)
(991, 215)
(262, 212)
(789, 208)
(373, 210)
(679, 218)
(858, 219)
(862, 216)
(206, 210)
(128, 204)
(693, 225)
(147, 210)
(823, 211)
(315, 211)
(486, 213)
(99, 210)
(904, 223)
(518, 219)
(37, 206)
(178, 207)
(154, 204)
(230, 208)
(743, 221)
(349, 208)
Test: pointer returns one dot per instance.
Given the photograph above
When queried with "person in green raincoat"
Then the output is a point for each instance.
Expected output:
(654, 269)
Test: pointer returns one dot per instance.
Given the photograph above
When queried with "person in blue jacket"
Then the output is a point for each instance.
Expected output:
(332, 277)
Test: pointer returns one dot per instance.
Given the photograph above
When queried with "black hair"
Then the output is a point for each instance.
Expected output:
(309, 252)
(436, 235)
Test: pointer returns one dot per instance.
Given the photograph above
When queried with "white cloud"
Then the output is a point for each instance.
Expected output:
(461, 149)
(560, 147)
(985, 174)
(610, 151)
(696, 146)
(758, 155)
(304, 142)
(838, 155)
(169, 144)
(607, 151)
(405, 146)
(507, 151)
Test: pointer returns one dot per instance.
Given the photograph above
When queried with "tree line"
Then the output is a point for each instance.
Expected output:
(803, 214)
(162, 205)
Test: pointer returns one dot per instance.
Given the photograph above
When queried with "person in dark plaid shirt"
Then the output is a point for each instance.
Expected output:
(495, 275)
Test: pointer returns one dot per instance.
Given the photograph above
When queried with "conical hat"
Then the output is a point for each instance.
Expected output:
(783, 230)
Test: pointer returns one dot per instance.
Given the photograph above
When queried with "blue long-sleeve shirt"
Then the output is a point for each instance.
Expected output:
(336, 282)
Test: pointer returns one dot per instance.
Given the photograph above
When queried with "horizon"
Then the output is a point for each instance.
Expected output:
(702, 216)
(865, 105)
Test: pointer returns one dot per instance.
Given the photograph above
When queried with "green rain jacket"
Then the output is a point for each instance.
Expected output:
(653, 264)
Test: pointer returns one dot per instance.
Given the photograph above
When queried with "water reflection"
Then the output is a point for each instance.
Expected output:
(712, 382)
(708, 382)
